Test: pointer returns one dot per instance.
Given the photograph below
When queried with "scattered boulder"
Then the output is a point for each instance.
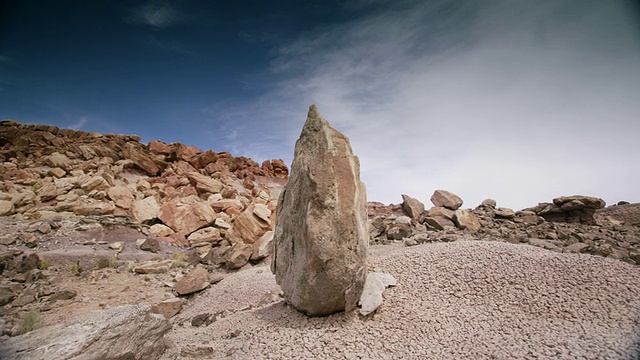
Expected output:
(122, 332)
(321, 233)
(443, 198)
(412, 207)
(168, 308)
(148, 244)
(504, 213)
(196, 280)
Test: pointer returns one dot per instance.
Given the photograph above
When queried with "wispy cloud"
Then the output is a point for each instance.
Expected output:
(155, 13)
(82, 121)
(518, 101)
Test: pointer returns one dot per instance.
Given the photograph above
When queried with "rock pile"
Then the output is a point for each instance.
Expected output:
(218, 203)
(571, 209)
(321, 231)
(572, 224)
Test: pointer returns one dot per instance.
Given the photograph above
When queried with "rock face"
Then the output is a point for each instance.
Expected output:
(123, 332)
(321, 233)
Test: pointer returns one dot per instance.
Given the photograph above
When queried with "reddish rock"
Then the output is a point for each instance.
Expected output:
(196, 280)
(248, 227)
(159, 148)
(187, 215)
(412, 207)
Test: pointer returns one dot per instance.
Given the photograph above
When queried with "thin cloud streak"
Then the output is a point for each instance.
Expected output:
(520, 102)
(155, 13)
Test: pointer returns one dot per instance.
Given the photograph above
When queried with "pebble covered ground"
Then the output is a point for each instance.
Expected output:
(467, 299)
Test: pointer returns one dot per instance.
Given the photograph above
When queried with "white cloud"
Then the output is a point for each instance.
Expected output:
(519, 101)
(82, 121)
(156, 13)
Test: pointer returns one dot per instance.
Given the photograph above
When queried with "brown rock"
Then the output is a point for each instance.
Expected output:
(121, 196)
(159, 148)
(466, 220)
(205, 235)
(205, 184)
(160, 230)
(57, 160)
(187, 215)
(248, 227)
(321, 233)
(239, 255)
(412, 207)
(6, 208)
(438, 222)
(196, 280)
(262, 247)
(148, 244)
(446, 199)
(145, 210)
(168, 308)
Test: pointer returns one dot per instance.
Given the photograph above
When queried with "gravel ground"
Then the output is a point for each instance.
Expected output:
(468, 299)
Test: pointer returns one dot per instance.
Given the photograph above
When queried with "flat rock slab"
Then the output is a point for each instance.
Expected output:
(123, 332)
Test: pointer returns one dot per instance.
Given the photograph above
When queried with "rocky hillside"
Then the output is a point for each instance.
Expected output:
(214, 201)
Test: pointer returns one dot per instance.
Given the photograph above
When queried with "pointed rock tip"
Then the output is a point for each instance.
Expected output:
(313, 111)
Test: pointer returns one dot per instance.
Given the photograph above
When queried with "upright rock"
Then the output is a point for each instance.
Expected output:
(413, 207)
(321, 233)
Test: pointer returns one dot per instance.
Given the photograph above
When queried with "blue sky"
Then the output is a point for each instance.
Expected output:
(516, 100)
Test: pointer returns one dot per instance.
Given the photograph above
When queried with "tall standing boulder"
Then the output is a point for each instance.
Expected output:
(321, 233)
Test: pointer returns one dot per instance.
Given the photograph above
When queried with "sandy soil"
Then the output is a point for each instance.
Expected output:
(480, 300)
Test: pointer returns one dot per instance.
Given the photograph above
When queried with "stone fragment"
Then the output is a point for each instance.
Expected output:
(412, 207)
(196, 351)
(221, 223)
(95, 183)
(490, 203)
(446, 199)
(577, 248)
(6, 295)
(438, 222)
(441, 211)
(262, 246)
(504, 213)
(205, 235)
(262, 212)
(6, 208)
(168, 308)
(187, 215)
(464, 219)
(118, 246)
(160, 230)
(153, 267)
(121, 196)
(146, 210)
(56, 172)
(205, 184)
(158, 147)
(48, 192)
(248, 227)
(196, 280)
(321, 235)
(239, 255)
(57, 160)
(374, 286)
(122, 332)
(148, 244)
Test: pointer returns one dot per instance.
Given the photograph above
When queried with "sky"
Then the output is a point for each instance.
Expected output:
(516, 100)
